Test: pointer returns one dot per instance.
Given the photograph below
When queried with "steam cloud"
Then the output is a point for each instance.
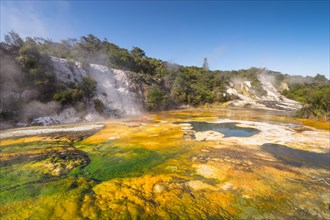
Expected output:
(37, 109)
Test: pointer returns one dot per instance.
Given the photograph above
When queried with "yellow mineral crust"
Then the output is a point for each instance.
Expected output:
(211, 176)
(325, 125)
(150, 136)
(157, 196)
(24, 140)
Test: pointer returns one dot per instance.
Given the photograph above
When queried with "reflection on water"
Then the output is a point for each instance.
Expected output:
(297, 157)
(228, 129)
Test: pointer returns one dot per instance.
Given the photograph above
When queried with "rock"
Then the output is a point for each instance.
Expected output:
(44, 121)
(186, 126)
(33, 132)
(67, 116)
(198, 185)
(300, 128)
(226, 186)
(208, 136)
(158, 188)
(93, 116)
(248, 97)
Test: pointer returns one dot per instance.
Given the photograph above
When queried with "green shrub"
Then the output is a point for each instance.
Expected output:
(99, 106)
(63, 97)
(193, 86)
(88, 86)
(315, 100)
(69, 96)
(156, 99)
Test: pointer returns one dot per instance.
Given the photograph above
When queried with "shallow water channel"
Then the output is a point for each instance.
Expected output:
(228, 129)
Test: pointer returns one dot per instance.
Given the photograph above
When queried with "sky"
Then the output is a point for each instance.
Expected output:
(287, 36)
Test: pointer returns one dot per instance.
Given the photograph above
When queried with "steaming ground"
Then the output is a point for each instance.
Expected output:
(117, 90)
(273, 100)
(113, 86)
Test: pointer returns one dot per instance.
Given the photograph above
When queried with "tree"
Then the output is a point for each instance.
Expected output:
(320, 78)
(90, 43)
(193, 86)
(205, 65)
(137, 52)
(156, 99)
(13, 39)
(37, 69)
(99, 106)
(88, 86)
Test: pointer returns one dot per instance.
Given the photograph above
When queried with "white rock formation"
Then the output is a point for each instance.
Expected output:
(248, 97)
(113, 86)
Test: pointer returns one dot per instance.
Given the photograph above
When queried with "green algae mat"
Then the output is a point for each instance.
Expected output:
(166, 166)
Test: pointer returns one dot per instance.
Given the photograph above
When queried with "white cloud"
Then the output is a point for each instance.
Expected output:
(31, 19)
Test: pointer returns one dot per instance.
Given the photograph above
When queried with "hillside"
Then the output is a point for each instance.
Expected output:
(45, 82)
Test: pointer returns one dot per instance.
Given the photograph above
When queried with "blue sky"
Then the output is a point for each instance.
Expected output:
(287, 36)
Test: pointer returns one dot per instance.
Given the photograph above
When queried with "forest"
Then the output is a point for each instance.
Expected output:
(166, 85)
